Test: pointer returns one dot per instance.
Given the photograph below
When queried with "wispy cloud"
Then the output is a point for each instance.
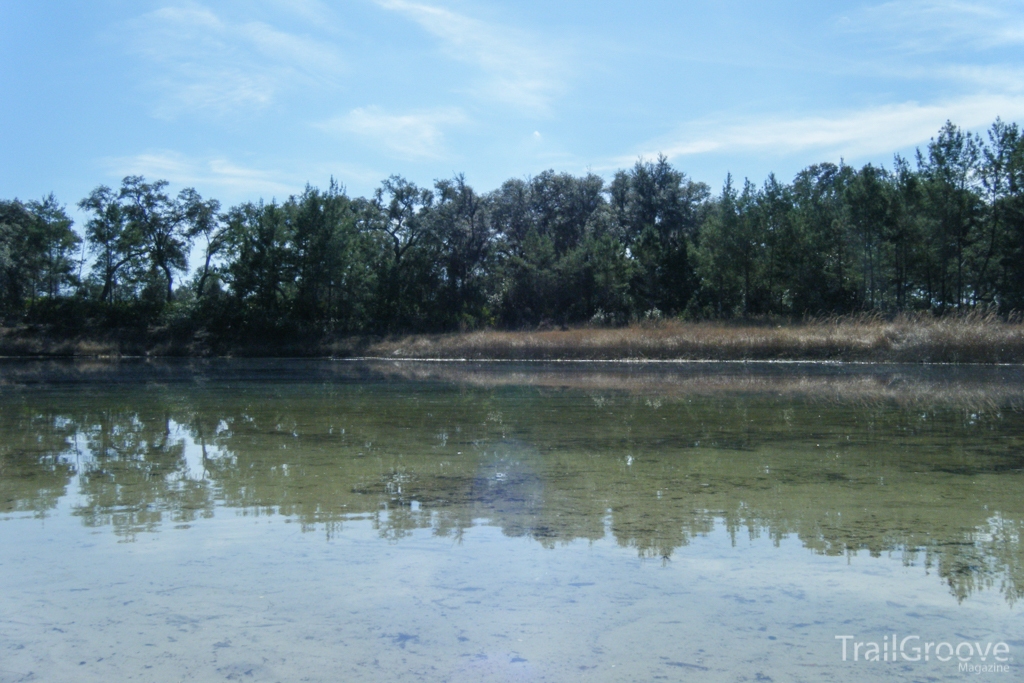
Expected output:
(202, 61)
(413, 135)
(935, 25)
(206, 174)
(313, 11)
(989, 77)
(851, 134)
(519, 70)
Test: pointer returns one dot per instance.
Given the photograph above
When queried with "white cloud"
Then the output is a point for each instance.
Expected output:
(204, 62)
(935, 25)
(851, 134)
(204, 174)
(415, 135)
(519, 70)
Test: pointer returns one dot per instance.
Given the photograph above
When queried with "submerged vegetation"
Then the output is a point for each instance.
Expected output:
(322, 272)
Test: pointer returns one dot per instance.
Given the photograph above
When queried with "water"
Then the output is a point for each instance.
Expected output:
(338, 521)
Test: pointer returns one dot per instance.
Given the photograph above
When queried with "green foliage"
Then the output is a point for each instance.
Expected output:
(950, 176)
(465, 255)
(659, 211)
(1001, 252)
(943, 236)
(37, 254)
(311, 262)
(946, 233)
(160, 224)
(729, 254)
(142, 237)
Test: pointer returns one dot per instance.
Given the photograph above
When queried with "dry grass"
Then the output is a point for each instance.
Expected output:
(972, 338)
(29, 343)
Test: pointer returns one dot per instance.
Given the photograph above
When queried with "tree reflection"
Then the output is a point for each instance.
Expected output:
(38, 456)
(938, 486)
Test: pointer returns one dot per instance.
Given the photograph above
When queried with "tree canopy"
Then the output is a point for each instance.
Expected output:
(942, 232)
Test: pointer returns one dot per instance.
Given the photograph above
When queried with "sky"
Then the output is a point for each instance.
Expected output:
(250, 99)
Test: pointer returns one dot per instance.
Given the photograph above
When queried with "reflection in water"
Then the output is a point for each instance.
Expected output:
(923, 463)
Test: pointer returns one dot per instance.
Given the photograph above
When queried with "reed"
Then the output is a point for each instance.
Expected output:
(967, 338)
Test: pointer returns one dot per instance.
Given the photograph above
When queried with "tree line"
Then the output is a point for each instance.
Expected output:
(942, 232)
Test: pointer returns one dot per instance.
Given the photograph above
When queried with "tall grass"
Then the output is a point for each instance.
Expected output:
(967, 338)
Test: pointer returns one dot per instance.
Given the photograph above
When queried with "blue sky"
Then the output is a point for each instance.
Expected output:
(245, 99)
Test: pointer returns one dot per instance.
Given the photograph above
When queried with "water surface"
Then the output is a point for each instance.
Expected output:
(340, 521)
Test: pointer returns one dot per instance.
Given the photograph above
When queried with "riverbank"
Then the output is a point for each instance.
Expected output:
(968, 339)
(953, 339)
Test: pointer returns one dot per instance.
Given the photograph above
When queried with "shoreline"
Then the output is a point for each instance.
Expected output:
(965, 339)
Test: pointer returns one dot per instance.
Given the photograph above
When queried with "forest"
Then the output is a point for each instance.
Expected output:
(940, 233)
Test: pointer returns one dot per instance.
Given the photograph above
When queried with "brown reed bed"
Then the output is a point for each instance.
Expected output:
(968, 338)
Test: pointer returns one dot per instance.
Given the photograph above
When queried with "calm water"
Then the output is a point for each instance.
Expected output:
(338, 521)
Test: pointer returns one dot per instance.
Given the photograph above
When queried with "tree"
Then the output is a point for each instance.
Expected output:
(659, 210)
(257, 263)
(561, 205)
(465, 239)
(161, 225)
(117, 245)
(332, 258)
(950, 171)
(594, 278)
(555, 248)
(13, 218)
(820, 256)
(401, 215)
(730, 253)
(203, 219)
(1002, 175)
(868, 198)
(37, 247)
(774, 212)
(543, 230)
(905, 233)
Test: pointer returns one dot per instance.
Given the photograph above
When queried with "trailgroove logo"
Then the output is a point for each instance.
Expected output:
(972, 657)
